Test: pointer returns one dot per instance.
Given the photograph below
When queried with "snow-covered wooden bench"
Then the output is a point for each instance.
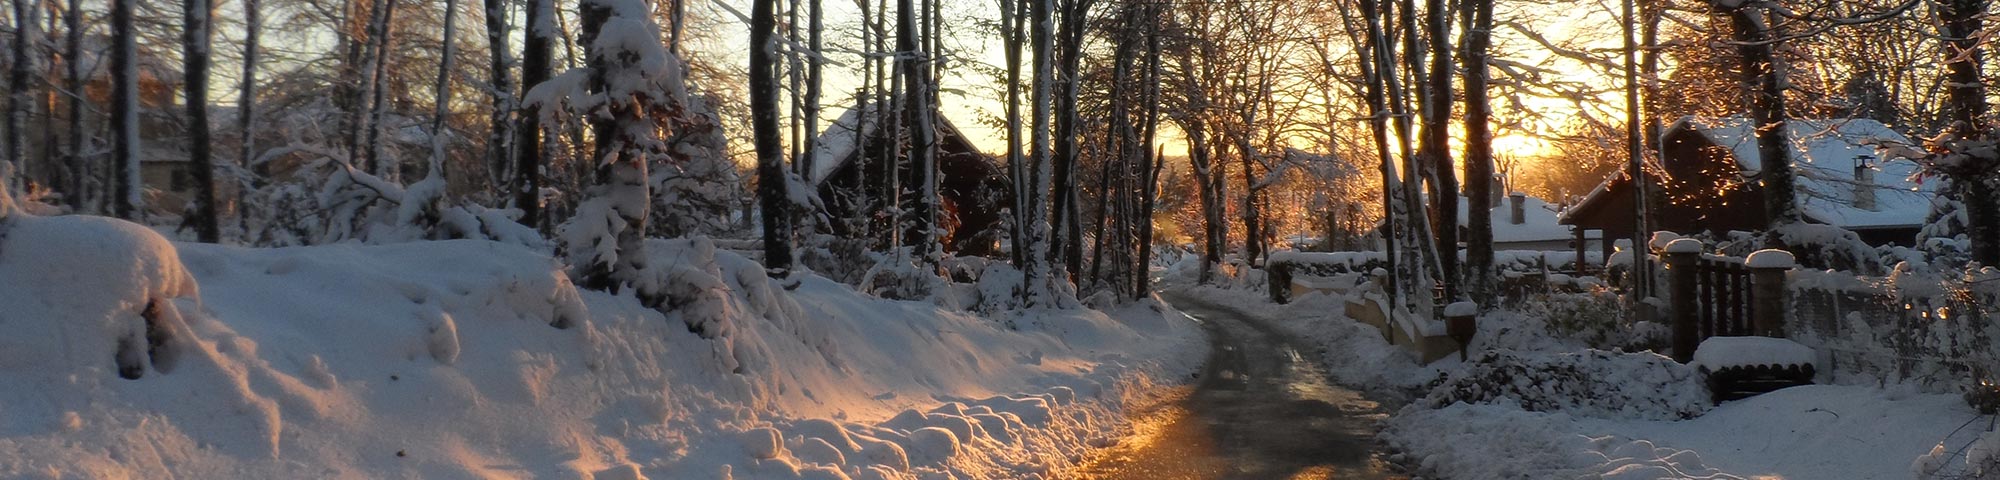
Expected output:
(1740, 367)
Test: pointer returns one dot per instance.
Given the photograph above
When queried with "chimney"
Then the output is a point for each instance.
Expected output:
(1864, 183)
(1517, 209)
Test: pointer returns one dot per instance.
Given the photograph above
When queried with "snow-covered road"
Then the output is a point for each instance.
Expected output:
(1261, 410)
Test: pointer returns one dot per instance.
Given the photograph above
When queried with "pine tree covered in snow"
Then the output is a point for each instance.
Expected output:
(634, 88)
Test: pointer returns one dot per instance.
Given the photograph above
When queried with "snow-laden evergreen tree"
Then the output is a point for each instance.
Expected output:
(634, 90)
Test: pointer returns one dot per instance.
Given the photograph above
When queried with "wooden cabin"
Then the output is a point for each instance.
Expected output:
(1711, 184)
(854, 160)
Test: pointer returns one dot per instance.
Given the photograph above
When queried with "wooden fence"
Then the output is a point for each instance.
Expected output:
(1722, 298)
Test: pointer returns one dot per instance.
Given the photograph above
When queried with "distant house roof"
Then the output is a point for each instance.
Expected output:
(1825, 153)
(1539, 221)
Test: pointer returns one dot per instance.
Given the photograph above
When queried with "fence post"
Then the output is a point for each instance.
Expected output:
(1682, 257)
(1767, 291)
(1278, 279)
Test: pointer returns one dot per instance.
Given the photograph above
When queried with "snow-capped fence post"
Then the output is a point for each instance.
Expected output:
(1683, 258)
(1460, 324)
(1768, 269)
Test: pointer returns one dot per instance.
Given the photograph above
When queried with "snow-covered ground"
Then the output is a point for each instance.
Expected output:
(1615, 415)
(473, 359)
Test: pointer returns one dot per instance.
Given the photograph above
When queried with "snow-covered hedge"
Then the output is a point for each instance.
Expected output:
(1593, 383)
(1921, 324)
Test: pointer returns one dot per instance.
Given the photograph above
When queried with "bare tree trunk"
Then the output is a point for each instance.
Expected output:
(770, 150)
(441, 105)
(537, 59)
(73, 61)
(365, 95)
(1148, 197)
(1479, 274)
(502, 92)
(1011, 21)
(125, 110)
(379, 90)
(19, 93)
(194, 43)
(1763, 73)
(1067, 121)
(1437, 143)
(1377, 66)
(914, 63)
(246, 104)
(814, 88)
(1966, 107)
(1040, 276)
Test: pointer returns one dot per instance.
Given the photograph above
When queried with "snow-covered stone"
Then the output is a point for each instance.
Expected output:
(1461, 309)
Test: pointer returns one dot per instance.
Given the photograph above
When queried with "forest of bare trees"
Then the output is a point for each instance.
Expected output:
(1124, 129)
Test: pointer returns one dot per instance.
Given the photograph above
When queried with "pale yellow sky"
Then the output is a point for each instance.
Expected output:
(970, 95)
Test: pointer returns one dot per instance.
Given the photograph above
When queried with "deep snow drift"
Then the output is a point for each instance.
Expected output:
(461, 359)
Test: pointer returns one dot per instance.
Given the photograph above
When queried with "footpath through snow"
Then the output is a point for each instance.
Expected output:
(125, 356)
(1542, 407)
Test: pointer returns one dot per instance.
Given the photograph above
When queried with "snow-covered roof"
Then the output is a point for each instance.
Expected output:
(1539, 221)
(1825, 153)
(840, 139)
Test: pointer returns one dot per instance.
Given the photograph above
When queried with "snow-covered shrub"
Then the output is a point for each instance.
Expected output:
(1943, 236)
(1595, 318)
(696, 188)
(351, 205)
(1921, 324)
(843, 260)
(107, 290)
(1830, 247)
(1593, 383)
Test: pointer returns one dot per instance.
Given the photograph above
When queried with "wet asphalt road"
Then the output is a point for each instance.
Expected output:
(1262, 409)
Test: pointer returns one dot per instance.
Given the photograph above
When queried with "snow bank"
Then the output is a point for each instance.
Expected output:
(1814, 431)
(480, 359)
(1465, 442)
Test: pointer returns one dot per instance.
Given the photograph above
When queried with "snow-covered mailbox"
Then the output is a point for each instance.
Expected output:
(1728, 320)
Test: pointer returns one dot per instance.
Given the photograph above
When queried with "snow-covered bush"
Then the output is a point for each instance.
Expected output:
(1594, 318)
(1922, 325)
(1593, 383)
(696, 188)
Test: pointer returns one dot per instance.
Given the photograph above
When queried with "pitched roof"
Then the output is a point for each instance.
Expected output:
(1824, 154)
(838, 141)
